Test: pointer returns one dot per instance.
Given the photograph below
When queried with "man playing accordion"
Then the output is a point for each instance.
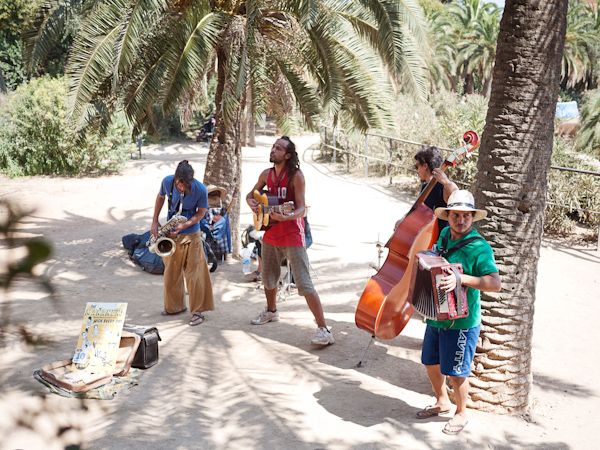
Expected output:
(449, 346)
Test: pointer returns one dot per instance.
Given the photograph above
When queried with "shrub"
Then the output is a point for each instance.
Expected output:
(36, 138)
(562, 219)
(442, 123)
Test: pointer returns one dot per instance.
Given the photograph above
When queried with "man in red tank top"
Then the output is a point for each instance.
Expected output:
(286, 238)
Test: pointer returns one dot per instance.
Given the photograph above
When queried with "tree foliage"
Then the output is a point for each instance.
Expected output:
(133, 53)
(36, 138)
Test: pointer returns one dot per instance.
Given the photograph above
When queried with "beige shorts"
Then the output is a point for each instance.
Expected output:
(273, 256)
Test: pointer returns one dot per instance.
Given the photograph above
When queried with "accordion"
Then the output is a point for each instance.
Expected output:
(425, 295)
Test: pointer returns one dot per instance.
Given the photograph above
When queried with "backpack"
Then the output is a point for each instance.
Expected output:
(140, 254)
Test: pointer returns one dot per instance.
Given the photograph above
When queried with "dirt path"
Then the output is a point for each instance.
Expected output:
(228, 384)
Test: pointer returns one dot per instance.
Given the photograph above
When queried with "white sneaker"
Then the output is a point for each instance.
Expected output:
(323, 337)
(266, 316)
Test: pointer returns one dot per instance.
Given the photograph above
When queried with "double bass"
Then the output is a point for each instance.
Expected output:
(383, 309)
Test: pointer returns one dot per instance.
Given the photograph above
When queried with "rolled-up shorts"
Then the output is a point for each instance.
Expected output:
(453, 350)
(273, 256)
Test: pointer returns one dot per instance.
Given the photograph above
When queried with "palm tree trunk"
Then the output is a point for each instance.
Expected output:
(244, 140)
(469, 84)
(487, 87)
(224, 160)
(511, 184)
(251, 123)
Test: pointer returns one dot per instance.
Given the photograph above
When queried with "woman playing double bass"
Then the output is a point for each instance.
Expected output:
(428, 161)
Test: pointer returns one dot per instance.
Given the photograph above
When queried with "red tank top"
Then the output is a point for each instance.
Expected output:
(291, 232)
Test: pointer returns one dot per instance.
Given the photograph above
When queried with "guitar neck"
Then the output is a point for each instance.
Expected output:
(277, 208)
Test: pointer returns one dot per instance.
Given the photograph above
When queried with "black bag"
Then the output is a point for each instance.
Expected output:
(147, 353)
(141, 255)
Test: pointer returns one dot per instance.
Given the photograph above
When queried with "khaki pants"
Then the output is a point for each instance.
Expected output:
(188, 261)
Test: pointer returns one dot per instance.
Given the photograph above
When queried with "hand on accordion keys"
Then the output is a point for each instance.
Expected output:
(450, 281)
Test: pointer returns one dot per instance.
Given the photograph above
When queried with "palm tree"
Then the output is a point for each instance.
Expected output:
(511, 184)
(466, 17)
(581, 45)
(303, 56)
(588, 136)
(442, 64)
(478, 50)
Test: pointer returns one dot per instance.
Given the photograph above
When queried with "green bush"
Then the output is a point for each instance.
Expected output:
(566, 205)
(36, 138)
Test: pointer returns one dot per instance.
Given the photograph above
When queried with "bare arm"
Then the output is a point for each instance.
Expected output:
(158, 204)
(487, 283)
(262, 182)
(442, 178)
(197, 217)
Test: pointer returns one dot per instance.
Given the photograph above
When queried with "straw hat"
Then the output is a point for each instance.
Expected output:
(460, 201)
(222, 191)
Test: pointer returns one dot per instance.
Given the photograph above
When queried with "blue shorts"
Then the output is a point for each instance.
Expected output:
(453, 350)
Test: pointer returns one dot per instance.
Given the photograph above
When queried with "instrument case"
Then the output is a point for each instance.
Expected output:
(54, 372)
(147, 353)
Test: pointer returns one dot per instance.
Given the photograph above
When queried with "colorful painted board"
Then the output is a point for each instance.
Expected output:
(99, 338)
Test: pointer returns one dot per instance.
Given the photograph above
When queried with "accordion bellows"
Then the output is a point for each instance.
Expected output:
(425, 295)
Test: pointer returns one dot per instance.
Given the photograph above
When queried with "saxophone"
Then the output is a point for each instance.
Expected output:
(163, 245)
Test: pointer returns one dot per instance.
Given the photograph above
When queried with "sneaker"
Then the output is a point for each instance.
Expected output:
(266, 316)
(323, 337)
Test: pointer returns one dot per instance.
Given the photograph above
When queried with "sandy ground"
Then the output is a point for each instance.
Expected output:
(228, 384)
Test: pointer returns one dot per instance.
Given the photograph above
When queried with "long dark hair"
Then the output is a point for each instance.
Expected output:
(293, 163)
(184, 173)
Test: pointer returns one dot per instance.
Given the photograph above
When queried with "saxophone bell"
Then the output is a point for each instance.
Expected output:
(164, 247)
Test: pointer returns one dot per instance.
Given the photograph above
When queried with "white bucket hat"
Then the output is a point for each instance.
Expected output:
(460, 200)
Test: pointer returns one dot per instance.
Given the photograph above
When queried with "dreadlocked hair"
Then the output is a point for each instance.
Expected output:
(293, 163)
(184, 173)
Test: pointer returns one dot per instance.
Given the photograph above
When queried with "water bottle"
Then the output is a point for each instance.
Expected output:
(246, 260)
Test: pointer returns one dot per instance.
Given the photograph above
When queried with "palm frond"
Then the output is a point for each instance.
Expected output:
(45, 26)
(91, 59)
(133, 28)
(190, 49)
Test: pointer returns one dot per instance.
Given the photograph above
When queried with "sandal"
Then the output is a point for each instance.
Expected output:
(449, 425)
(429, 411)
(166, 313)
(254, 276)
(197, 319)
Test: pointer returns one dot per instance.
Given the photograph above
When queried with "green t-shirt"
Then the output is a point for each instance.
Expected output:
(477, 259)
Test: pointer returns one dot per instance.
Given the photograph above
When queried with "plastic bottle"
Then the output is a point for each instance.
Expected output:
(246, 260)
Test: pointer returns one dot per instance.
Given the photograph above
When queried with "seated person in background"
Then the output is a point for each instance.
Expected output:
(214, 213)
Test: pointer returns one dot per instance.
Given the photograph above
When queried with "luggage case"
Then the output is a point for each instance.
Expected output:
(147, 353)
(54, 373)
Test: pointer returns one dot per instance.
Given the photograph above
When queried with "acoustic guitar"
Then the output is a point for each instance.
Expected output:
(266, 202)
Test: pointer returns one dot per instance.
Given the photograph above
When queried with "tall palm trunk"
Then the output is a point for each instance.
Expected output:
(469, 83)
(487, 87)
(224, 161)
(511, 184)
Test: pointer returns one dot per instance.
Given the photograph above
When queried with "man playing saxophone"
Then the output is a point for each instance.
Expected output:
(188, 198)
